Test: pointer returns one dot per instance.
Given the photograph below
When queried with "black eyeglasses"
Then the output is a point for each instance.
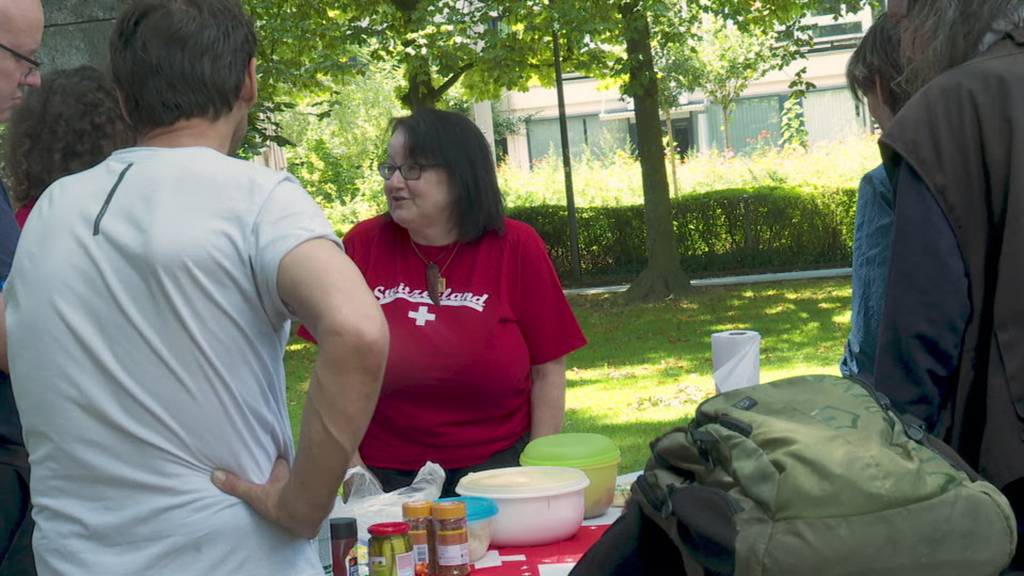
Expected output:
(409, 171)
(34, 65)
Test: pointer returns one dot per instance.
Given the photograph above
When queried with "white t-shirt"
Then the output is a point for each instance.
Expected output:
(149, 352)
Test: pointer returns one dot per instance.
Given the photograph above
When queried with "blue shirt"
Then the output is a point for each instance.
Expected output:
(11, 443)
(872, 236)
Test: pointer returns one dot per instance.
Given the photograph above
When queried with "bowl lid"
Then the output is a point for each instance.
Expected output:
(477, 508)
(574, 449)
(523, 482)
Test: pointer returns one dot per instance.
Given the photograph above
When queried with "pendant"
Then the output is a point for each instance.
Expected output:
(435, 283)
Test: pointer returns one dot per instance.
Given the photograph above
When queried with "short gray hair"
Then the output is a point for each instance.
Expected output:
(937, 35)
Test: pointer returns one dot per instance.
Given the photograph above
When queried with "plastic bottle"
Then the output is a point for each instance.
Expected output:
(343, 547)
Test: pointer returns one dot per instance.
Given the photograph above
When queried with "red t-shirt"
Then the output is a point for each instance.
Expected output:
(21, 214)
(457, 384)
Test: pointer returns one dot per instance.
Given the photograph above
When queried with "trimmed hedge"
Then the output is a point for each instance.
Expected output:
(721, 232)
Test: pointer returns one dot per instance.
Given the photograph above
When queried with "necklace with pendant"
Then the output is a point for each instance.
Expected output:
(436, 284)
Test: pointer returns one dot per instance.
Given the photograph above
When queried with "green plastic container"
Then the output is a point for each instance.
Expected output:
(596, 455)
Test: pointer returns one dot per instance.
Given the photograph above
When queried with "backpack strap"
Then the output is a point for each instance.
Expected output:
(699, 519)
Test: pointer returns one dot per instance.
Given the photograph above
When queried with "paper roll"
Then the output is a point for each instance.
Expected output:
(736, 359)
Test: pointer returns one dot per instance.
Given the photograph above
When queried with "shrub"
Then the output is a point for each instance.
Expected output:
(720, 232)
(615, 179)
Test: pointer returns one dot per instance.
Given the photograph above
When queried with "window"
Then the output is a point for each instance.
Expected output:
(600, 136)
(829, 24)
(837, 29)
(832, 115)
(828, 8)
(755, 122)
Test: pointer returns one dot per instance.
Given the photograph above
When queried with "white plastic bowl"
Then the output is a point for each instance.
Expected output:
(537, 505)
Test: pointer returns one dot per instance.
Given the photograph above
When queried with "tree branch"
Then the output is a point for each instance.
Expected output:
(440, 90)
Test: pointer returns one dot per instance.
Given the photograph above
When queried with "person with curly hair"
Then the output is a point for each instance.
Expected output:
(69, 125)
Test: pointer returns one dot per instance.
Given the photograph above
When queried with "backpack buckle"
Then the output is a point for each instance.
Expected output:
(704, 441)
(914, 428)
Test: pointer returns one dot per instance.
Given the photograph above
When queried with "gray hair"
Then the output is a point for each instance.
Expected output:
(937, 35)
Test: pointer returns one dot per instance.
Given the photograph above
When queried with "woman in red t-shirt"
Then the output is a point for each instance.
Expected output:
(480, 328)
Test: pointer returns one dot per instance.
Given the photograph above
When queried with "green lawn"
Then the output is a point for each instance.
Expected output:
(647, 366)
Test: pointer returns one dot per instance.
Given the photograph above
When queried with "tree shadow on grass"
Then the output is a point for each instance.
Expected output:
(800, 323)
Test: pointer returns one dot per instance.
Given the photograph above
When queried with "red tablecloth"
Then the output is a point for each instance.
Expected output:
(565, 552)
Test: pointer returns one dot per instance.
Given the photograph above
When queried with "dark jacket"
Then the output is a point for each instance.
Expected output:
(964, 135)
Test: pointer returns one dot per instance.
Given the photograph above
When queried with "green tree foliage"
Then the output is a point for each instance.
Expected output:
(303, 50)
(339, 138)
(487, 45)
(729, 59)
(794, 126)
(643, 24)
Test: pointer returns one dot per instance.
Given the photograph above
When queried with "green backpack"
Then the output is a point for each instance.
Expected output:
(817, 476)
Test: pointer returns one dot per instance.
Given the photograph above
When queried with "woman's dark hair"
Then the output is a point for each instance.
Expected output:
(70, 124)
(173, 60)
(454, 142)
(876, 62)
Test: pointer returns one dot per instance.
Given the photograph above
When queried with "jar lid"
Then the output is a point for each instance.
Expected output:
(418, 509)
(389, 529)
(477, 508)
(523, 482)
(342, 528)
(450, 510)
(575, 450)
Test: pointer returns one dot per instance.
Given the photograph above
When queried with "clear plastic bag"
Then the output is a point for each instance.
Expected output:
(369, 504)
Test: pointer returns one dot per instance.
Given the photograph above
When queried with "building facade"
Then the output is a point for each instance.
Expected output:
(601, 119)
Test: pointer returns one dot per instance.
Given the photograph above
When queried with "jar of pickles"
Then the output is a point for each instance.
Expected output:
(421, 534)
(390, 550)
(451, 538)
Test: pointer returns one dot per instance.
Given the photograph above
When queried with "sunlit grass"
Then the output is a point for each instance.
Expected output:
(647, 366)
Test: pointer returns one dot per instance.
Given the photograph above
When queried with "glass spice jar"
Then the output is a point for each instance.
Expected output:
(421, 534)
(390, 550)
(451, 538)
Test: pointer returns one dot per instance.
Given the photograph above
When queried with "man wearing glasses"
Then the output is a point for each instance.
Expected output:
(21, 32)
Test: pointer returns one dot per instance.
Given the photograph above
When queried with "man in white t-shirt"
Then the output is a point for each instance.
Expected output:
(147, 314)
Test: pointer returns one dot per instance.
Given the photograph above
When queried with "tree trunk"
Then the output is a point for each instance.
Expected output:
(725, 126)
(663, 277)
(673, 153)
(421, 92)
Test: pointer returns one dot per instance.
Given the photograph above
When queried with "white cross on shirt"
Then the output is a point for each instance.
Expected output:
(422, 316)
